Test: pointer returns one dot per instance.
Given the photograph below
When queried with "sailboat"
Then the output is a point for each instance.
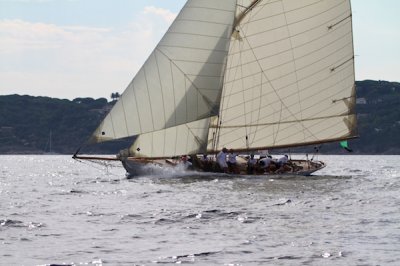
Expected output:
(245, 75)
(48, 150)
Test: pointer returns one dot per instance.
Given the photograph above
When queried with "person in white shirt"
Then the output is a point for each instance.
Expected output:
(283, 160)
(232, 162)
(185, 162)
(221, 160)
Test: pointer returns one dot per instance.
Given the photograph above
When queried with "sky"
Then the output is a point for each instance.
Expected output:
(92, 48)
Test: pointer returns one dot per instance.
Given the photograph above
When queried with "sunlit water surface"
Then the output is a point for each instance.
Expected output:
(56, 211)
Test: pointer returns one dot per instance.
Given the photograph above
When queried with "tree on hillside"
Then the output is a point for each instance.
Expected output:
(115, 96)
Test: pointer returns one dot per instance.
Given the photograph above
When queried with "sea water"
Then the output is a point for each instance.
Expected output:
(57, 211)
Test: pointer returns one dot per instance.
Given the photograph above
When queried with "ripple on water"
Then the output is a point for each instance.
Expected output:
(8, 223)
(188, 258)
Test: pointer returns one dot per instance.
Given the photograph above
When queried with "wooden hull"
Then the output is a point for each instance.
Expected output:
(142, 167)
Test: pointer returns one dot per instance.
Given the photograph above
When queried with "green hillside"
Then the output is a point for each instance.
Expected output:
(27, 122)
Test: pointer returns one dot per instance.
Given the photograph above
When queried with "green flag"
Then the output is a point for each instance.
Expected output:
(345, 146)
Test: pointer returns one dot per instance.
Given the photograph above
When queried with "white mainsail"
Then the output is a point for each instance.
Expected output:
(290, 76)
(242, 74)
(182, 79)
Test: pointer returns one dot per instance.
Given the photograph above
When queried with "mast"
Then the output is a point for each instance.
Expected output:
(241, 16)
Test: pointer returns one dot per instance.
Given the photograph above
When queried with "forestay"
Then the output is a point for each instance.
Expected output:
(290, 76)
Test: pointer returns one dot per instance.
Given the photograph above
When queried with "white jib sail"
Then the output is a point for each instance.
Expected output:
(290, 76)
(181, 82)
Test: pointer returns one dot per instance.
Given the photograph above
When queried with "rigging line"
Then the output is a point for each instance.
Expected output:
(137, 106)
(290, 84)
(322, 120)
(340, 132)
(259, 107)
(205, 98)
(295, 67)
(326, 33)
(209, 8)
(126, 121)
(245, 28)
(337, 23)
(198, 62)
(348, 34)
(263, 73)
(285, 122)
(189, 48)
(186, 99)
(343, 99)
(243, 96)
(199, 35)
(217, 131)
(290, 136)
(148, 94)
(173, 86)
(187, 137)
(297, 9)
(162, 96)
(269, 81)
(315, 102)
(241, 51)
(245, 12)
(203, 21)
(342, 38)
(342, 64)
(112, 124)
(252, 132)
(104, 164)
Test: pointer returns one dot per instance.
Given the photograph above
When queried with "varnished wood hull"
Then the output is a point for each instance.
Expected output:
(143, 167)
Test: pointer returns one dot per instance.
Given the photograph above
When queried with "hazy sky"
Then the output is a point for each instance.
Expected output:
(91, 48)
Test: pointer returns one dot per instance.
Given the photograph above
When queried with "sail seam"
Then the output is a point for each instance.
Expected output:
(297, 47)
(126, 121)
(148, 94)
(209, 8)
(342, 64)
(290, 126)
(137, 107)
(283, 104)
(309, 107)
(202, 21)
(173, 86)
(304, 19)
(339, 22)
(296, 73)
(162, 92)
(198, 62)
(283, 122)
(191, 48)
(187, 77)
(290, 73)
(272, 114)
(300, 33)
(112, 125)
(216, 131)
(199, 35)
(291, 145)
